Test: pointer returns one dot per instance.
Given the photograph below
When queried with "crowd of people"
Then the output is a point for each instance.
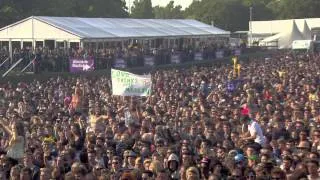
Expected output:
(201, 123)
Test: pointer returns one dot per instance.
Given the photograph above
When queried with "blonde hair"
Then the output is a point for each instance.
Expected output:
(155, 166)
(193, 170)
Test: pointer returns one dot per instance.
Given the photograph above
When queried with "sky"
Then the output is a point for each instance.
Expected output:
(183, 3)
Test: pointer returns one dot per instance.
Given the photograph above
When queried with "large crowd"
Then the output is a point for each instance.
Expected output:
(201, 123)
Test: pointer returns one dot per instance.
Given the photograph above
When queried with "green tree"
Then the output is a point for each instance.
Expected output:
(228, 14)
(260, 9)
(142, 9)
(168, 12)
(287, 9)
(12, 11)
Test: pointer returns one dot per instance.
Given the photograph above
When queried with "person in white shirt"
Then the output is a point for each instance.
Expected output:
(254, 132)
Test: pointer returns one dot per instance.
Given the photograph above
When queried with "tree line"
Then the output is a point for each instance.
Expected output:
(227, 14)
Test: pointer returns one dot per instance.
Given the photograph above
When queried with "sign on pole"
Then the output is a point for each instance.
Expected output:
(128, 84)
(81, 65)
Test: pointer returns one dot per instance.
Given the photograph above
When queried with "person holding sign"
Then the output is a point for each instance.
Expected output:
(128, 84)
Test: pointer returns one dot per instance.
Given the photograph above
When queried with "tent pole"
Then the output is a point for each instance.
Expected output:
(33, 41)
(81, 44)
(64, 44)
(10, 50)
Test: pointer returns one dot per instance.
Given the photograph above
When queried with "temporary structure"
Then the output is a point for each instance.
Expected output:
(306, 32)
(277, 26)
(79, 30)
(285, 39)
(264, 29)
(93, 29)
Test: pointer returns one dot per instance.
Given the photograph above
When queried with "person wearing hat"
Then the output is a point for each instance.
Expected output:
(252, 161)
(131, 158)
(303, 148)
(173, 166)
(239, 160)
(204, 167)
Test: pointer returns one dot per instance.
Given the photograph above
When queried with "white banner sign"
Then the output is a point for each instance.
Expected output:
(128, 84)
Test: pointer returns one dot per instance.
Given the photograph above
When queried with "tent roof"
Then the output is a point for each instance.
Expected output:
(278, 26)
(306, 32)
(286, 38)
(272, 38)
(91, 28)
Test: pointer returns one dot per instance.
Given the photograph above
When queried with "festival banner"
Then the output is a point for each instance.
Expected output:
(219, 54)
(149, 60)
(237, 52)
(81, 65)
(128, 84)
(175, 58)
(198, 56)
(120, 63)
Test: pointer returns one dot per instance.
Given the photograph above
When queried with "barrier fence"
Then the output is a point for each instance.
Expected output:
(61, 63)
(137, 70)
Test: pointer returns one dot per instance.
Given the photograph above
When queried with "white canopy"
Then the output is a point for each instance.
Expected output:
(278, 26)
(285, 39)
(306, 32)
(272, 38)
(41, 27)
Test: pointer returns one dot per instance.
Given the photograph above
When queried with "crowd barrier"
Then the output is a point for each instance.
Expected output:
(58, 63)
(139, 70)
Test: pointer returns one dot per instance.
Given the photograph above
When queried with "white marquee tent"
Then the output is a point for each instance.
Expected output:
(285, 39)
(81, 30)
(264, 30)
(306, 32)
(76, 29)
(277, 26)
